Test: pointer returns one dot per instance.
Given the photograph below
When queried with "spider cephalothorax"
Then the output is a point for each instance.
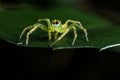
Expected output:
(57, 27)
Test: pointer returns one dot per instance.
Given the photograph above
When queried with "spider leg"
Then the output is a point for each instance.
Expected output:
(85, 31)
(49, 25)
(29, 27)
(78, 24)
(72, 26)
(28, 34)
(56, 35)
(75, 35)
(72, 21)
(47, 20)
(49, 35)
(35, 26)
(59, 38)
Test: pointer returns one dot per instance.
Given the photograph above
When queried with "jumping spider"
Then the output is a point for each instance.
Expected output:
(55, 27)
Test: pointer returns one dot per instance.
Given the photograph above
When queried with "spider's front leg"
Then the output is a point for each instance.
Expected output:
(78, 24)
(63, 34)
(59, 38)
(32, 29)
(56, 35)
(49, 25)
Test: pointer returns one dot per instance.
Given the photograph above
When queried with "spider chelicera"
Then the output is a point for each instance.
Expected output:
(55, 27)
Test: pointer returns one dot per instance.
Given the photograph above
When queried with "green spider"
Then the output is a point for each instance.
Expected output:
(57, 27)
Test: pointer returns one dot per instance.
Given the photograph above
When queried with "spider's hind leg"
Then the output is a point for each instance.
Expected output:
(78, 24)
(25, 29)
(30, 32)
(84, 30)
(75, 35)
(35, 26)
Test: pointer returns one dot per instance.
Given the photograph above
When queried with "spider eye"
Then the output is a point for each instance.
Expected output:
(56, 22)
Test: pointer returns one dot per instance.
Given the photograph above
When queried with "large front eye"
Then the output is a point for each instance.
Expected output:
(56, 22)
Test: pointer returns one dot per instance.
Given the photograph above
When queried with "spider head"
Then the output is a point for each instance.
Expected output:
(56, 22)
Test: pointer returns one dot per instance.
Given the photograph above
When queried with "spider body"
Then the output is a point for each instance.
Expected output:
(55, 27)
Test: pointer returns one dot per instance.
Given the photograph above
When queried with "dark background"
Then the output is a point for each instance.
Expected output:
(108, 9)
(85, 64)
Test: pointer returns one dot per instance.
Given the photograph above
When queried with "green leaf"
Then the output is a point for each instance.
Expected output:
(101, 33)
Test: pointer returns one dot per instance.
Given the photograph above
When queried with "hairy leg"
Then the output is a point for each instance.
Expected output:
(41, 26)
(59, 38)
(75, 35)
(78, 24)
(29, 27)
(37, 25)
(85, 31)
(49, 35)
(47, 20)
(56, 35)
(30, 32)
(49, 25)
